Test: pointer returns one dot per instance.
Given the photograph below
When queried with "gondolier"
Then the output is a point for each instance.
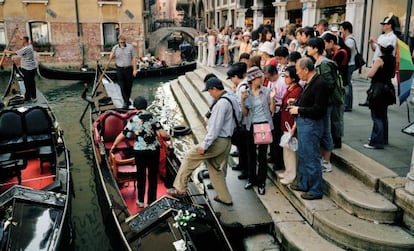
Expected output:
(126, 67)
(28, 67)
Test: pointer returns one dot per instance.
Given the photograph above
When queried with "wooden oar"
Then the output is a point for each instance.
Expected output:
(96, 87)
(7, 47)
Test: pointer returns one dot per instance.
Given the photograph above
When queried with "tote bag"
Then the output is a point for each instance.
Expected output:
(262, 134)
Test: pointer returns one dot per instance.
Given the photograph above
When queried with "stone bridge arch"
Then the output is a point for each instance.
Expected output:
(154, 38)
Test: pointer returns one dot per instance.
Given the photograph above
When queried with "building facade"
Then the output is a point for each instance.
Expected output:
(80, 32)
(72, 33)
(365, 15)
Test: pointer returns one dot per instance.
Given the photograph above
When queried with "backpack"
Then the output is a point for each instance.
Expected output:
(329, 71)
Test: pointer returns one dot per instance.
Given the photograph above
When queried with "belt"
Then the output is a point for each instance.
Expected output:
(126, 67)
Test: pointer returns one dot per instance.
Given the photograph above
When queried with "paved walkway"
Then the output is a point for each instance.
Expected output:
(358, 124)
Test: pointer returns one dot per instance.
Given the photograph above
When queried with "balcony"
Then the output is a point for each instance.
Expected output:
(110, 2)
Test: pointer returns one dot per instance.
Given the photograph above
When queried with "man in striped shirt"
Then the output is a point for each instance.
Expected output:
(28, 67)
(126, 67)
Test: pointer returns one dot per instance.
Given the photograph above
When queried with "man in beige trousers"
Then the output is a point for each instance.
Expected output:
(215, 148)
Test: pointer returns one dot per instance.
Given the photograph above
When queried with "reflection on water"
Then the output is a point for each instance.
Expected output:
(64, 98)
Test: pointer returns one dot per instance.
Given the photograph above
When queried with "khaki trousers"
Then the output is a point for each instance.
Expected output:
(216, 160)
(291, 163)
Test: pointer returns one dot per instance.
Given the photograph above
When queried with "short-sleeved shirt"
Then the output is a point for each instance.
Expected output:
(388, 36)
(137, 128)
(123, 55)
(26, 54)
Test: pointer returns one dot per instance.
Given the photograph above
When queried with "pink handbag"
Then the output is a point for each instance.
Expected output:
(262, 134)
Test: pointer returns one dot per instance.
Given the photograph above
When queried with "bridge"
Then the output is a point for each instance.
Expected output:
(160, 34)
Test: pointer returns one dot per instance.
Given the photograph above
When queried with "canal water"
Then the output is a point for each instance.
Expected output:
(64, 98)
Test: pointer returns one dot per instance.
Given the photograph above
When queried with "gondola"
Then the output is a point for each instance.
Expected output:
(160, 225)
(35, 181)
(88, 75)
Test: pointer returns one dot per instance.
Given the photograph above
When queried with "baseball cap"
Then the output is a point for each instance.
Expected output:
(387, 20)
(213, 82)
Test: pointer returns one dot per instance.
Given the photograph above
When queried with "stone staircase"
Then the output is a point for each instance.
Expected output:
(365, 206)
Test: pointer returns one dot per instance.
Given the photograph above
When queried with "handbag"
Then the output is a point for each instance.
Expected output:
(359, 60)
(262, 134)
(287, 140)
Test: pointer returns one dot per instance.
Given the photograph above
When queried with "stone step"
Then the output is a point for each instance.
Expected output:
(188, 111)
(194, 96)
(198, 83)
(292, 231)
(347, 230)
(362, 167)
(379, 178)
(202, 72)
(357, 198)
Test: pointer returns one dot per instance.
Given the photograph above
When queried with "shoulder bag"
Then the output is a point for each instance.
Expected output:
(359, 60)
(239, 131)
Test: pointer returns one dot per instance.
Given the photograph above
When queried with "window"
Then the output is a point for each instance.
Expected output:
(110, 35)
(39, 35)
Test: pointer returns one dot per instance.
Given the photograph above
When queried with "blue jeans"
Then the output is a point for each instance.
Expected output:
(310, 170)
(379, 134)
(326, 140)
(348, 89)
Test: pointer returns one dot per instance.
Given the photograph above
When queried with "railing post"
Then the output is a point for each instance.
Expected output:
(409, 186)
(204, 62)
(199, 51)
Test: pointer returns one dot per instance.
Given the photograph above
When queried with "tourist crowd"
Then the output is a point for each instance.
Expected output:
(292, 89)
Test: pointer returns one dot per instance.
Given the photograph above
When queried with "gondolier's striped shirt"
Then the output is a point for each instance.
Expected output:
(27, 57)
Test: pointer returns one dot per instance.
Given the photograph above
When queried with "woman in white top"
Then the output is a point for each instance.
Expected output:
(211, 46)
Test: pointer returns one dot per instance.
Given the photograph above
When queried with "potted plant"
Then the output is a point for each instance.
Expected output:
(42, 47)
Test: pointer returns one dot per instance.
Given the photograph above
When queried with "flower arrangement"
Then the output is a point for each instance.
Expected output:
(183, 218)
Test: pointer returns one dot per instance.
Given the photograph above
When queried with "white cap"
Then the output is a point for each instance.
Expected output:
(268, 48)
(248, 34)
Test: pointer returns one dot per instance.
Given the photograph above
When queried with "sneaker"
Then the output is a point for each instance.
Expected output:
(326, 166)
(140, 204)
(261, 189)
(368, 146)
(309, 196)
(286, 181)
(281, 175)
(248, 185)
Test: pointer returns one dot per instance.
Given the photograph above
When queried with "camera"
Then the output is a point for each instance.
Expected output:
(208, 114)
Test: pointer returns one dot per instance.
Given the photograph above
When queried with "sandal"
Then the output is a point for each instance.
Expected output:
(174, 193)
(222, 202)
